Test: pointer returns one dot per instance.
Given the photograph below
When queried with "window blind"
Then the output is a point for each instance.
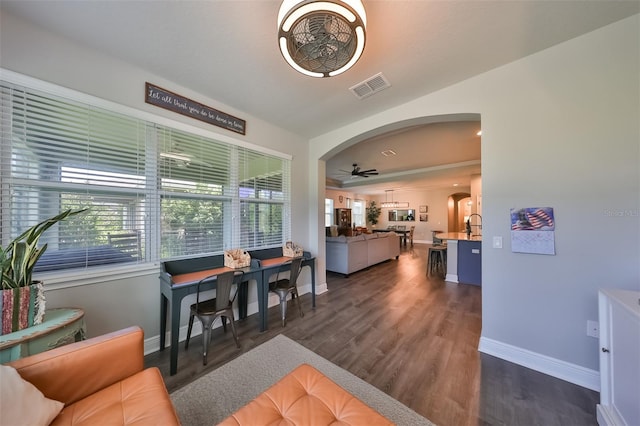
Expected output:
(62, 155)
(195, 182)
(152, 191)
(263, 190)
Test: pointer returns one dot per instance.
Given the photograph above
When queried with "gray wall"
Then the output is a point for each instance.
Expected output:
(560, 129)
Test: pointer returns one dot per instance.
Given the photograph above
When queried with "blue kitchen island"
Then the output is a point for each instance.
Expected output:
(464, 257)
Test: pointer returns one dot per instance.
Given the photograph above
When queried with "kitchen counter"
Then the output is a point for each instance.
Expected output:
(459, 236)
(464, 263)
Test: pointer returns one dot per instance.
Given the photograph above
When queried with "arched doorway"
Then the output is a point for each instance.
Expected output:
(459, 207)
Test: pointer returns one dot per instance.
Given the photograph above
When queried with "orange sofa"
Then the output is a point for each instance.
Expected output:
(101, 380)
(306, 397)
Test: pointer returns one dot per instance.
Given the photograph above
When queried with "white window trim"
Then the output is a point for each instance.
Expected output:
(70, 278)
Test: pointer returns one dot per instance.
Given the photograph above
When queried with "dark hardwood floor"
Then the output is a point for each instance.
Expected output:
(415, 338)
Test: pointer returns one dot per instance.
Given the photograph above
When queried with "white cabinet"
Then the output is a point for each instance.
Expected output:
(619, 312)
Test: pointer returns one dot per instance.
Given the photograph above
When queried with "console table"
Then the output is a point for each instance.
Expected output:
(59, 327)
(178, 279)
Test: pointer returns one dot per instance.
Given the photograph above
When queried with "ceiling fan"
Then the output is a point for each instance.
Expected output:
(363, 173)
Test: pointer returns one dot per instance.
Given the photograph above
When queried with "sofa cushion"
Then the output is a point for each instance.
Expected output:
(305, 397)
(21, 403)
(139, 399)
(371, 236)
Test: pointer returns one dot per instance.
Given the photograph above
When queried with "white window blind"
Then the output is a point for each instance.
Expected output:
(60, 155)
(195, 188)
(358, 213)
(263, 188)
(328, 212)
(152, 192)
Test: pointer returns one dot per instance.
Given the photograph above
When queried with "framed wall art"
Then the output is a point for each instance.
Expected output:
(424, 209)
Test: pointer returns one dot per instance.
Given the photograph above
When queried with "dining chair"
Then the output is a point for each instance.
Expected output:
(208, 310)
(411, 234)
(285, 286)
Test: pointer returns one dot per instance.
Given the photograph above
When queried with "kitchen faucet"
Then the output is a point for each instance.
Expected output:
(469, 225)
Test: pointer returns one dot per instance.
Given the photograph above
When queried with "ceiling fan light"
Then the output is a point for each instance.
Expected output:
(324, 38)
(356, 55)
(316, 7)
(292, 63)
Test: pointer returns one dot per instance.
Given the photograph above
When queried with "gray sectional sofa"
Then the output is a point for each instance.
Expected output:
(346, 255)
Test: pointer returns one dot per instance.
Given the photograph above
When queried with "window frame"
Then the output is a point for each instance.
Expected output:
(152, 255)
(329, 211)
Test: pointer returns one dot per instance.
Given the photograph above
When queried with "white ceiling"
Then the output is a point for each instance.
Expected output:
(227, 51)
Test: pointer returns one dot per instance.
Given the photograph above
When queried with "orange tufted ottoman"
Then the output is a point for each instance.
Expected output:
(306, 397)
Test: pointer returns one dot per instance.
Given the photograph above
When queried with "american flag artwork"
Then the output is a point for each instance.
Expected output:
(532, 219)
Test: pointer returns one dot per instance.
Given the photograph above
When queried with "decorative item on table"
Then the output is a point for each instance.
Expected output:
(290, 249)
(237, 258)
(22, 299)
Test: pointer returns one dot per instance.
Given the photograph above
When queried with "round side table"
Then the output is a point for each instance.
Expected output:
(59, 327)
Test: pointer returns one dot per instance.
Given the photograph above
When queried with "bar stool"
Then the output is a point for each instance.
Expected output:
(437, 241)
(437, 261)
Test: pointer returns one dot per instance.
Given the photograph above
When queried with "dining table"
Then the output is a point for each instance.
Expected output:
(402, 232)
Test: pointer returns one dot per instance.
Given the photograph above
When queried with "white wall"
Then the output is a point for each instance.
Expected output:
(135, 295)
(560, 129)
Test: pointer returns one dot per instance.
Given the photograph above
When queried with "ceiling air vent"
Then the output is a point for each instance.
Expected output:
(370, 86)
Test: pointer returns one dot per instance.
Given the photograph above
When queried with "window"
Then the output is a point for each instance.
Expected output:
(328, 211)
(153, 191)
(357, 214)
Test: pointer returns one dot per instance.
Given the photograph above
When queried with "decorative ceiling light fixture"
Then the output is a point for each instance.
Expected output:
(321, 38)
(392, 204)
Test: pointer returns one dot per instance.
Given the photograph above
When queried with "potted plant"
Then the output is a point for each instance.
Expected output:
(22, 299)
(373, 213)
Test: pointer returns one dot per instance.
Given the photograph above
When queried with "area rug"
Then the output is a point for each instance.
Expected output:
(213, 397)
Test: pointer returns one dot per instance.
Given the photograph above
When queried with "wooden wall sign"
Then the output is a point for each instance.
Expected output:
(168, 100)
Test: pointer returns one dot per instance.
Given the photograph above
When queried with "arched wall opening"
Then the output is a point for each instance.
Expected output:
(322, 151)
(459, 207)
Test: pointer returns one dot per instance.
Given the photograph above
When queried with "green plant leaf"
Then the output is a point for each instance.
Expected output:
(19, 258)
(19, 261)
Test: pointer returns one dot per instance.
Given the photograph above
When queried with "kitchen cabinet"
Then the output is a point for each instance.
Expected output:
(619, 316)
(470, 262)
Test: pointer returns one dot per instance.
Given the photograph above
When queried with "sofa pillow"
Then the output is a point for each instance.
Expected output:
(21, 403)
(355, 238)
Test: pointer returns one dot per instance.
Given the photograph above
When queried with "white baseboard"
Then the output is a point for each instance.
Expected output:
(152, 344)
(608, 416)
(563, 370)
